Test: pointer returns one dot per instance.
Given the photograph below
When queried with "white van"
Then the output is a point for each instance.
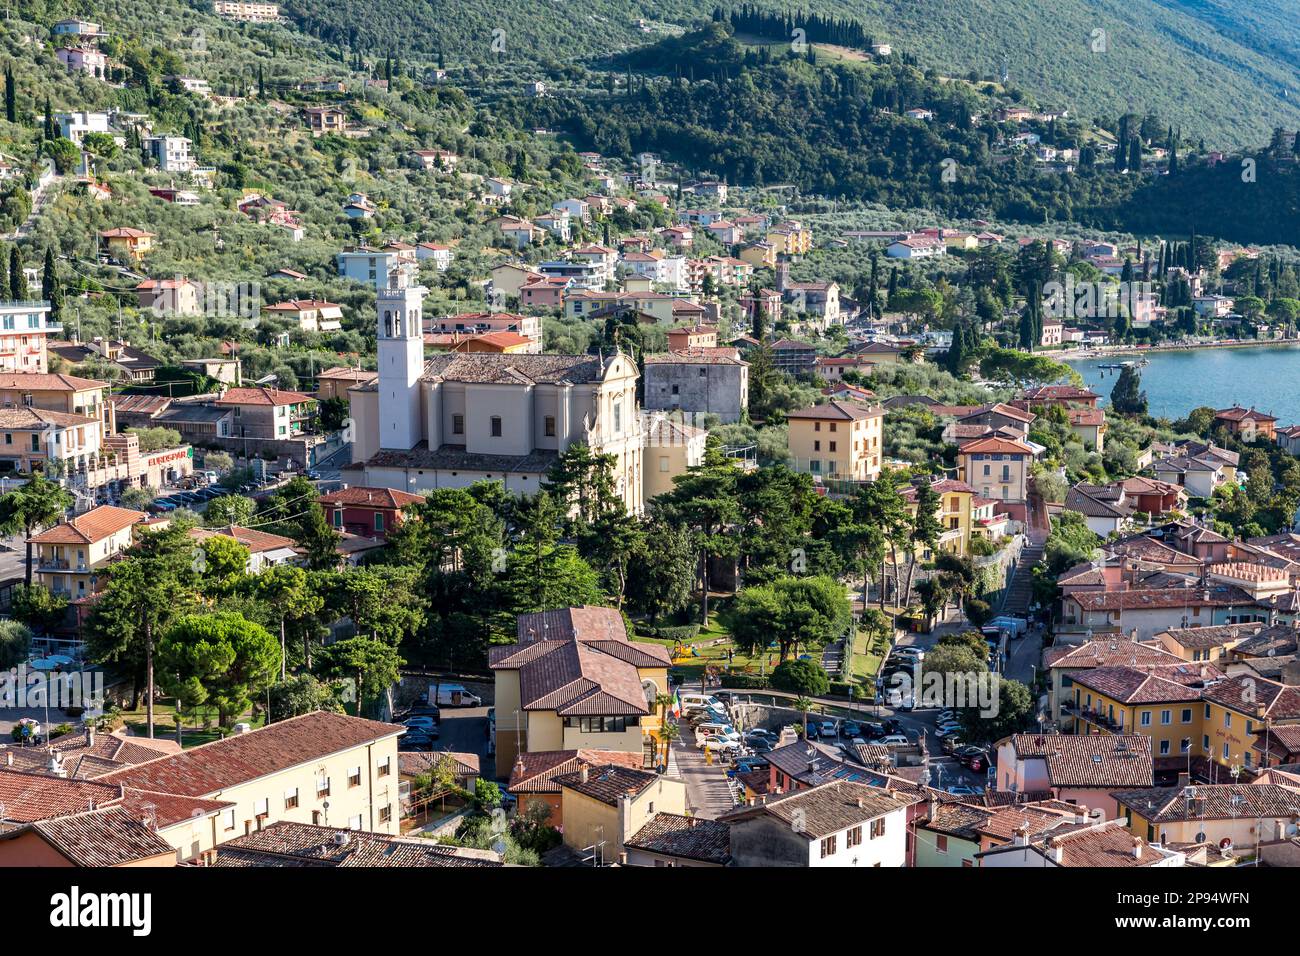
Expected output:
(721, 730)
(694, 702)
(453, 695)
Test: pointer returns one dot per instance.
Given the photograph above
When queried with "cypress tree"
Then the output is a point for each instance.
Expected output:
(11, 95)
(17, 279)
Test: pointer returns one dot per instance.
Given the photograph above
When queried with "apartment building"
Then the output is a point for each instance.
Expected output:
(70, 557)
(837, 440)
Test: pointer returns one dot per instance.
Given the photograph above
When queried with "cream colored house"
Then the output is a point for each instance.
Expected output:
(320, 768)
(573, 681)
(604, 807)
(671, 447)
(70, 556)
(837, 440)
(995, 467)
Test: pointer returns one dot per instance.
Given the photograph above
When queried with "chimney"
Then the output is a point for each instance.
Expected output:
(90, 735)
(1137, 848)
(1056, 850)
(582, 774)
(1184, 780)
(1022, 836)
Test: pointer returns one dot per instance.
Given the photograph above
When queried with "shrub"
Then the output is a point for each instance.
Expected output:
(801, 677)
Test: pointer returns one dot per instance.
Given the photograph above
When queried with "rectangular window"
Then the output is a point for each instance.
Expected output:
(385, 814)
(854, 837)
(458, 424)
(354, 777)
(496, 426)
(291, 798)
(379, 521)
(1164, 747)
(1187, 715)
(1185, 746)
(1205, 743)
(941, 843)
(228, 820)
(1166, 716)
(262, 807)
(322, 786)
(828, 846)
(354, 823)
(338, 517)
(385, 767)
(550, 426)
(663, 463)
(1227, 718)
(877, 828)
(1146, 718)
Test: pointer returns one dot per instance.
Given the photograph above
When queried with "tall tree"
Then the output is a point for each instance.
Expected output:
(38, 503)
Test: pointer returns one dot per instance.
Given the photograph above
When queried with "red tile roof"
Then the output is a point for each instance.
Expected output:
(371, 498)
(239, 758)
(95, 525)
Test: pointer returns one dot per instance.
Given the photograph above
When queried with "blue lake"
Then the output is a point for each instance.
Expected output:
(1267, 377)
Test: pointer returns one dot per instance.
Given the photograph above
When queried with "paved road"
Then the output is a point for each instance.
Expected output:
(464, 730)
(707, 791)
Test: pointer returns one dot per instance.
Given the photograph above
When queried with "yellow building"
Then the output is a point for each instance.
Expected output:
(1207, 644)
(70, 556)
(605, 806)
(1208, 720)
(837, 440)
(670, 449)
(1125, 700)
(790, 239)
(760, 255)
(955, 511)
(126, 243)
(320, 768)
(573, 681)
(1244, 815)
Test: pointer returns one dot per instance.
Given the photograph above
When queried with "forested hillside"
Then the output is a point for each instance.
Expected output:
(1225, 65)
(764, 118)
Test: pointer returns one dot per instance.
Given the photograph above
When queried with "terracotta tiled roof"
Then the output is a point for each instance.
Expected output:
(961, 820)
(826, 809)
(23, 418)
(1090, 760)
(413, 763)
(1216, 636)
(32, 796)
(111, 836)
(608, 783)
(1004, 823)
(490, 368)
(1114, 653)
(1239, 414)
(255, 541)
(239, 758)
(691, 838)
(1222, 801)
(1137, 599)
(841, 411)
(536, 772)
(371, 497)
(1130, 686)
(48, 382)
(1248, 694)
(997, 446)
(95, 525)
(262, 396)
(300, 844)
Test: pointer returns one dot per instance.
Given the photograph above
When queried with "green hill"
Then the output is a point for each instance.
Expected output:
(1224, 67)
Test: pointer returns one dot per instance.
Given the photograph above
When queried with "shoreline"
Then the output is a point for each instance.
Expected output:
(1106, 351)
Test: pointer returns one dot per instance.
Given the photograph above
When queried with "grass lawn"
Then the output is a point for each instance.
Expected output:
(193, 732)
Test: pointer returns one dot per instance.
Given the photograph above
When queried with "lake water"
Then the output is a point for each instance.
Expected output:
(1267, 377)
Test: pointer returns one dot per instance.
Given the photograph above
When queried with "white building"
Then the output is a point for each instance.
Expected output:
(465, 417)
(75, 126)
(172, 153)
(838, 824)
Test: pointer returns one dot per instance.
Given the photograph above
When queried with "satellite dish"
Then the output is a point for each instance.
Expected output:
(1225, 843)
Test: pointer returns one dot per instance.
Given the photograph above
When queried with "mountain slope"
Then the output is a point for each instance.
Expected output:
(1217, 66)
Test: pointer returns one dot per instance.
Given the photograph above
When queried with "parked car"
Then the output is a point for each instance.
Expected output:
(810, 730)
(752, 763)
(961, 791)
(828, 729)
(415, 741)
(892, 725)
(952, 744)
(946, 725)
(717, 744)
(874, 730)
(761, 746)
(946, 716)
(758, 735)
(851, 728)
(892, 740)
(424, 723)
(973, 758)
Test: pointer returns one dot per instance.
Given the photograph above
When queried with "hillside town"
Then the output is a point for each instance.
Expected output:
(382, 486)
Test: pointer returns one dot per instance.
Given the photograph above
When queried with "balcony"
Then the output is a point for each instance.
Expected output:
(1092, 715)
(54, 565)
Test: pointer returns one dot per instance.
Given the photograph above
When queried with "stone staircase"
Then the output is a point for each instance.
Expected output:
(1020, 594)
